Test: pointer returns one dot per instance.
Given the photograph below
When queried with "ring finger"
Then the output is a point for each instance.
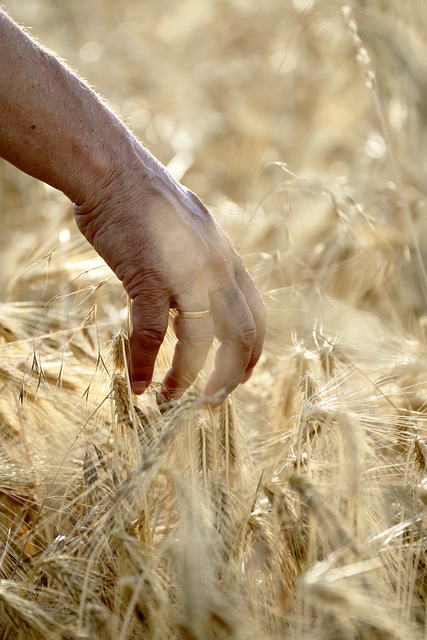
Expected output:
(195, 335)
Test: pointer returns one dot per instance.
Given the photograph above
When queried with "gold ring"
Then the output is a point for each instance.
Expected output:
(192, 314)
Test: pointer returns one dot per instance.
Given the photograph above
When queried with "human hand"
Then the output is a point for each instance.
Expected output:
(157, 236)
(168, 251)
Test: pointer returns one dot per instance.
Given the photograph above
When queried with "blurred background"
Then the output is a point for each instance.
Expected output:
(226, 93)
(215, 88)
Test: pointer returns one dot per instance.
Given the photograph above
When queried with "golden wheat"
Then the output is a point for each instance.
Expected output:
(298, 508)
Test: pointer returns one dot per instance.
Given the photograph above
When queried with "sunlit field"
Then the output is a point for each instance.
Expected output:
(298, 509)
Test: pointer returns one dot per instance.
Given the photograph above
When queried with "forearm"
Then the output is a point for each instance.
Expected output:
(53, 126)
(157, 236)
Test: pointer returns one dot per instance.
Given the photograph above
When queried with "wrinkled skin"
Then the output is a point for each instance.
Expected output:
(155, 234)
(169, 252)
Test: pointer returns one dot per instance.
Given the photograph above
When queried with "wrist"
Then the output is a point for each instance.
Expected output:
(101, 160)
(123, 171)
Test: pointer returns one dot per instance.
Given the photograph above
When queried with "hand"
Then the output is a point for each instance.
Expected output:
(168, 251)
(156, 235)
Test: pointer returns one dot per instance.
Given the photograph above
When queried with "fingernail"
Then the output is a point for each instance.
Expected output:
(216, 399)
(246, 376)
(139, 387)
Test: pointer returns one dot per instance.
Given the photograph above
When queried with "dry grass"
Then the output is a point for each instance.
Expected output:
(298, 509)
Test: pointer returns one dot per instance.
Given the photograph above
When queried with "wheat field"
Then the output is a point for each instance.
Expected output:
(298, 509)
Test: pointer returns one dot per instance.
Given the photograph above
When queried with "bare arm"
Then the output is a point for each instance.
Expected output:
(155, 234)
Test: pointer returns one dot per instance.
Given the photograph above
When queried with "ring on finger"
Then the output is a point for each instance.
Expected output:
(192, 314)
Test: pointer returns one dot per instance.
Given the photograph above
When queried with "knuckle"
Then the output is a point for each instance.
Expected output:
(150, 337)
(246, 334)
(201, 341)
(199, 338)
(199, 205)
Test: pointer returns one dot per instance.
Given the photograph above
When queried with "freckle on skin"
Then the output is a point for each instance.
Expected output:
(33, 126)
